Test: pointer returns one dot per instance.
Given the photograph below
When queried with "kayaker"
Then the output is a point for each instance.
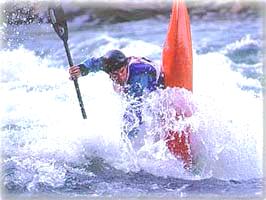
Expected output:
(132, 75)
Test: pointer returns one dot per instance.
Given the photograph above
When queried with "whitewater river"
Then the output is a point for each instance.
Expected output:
(48, 149)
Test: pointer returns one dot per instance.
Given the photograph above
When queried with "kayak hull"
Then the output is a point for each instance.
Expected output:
(177, 67)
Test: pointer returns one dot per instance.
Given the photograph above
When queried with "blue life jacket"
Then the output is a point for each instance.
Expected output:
(143, 74)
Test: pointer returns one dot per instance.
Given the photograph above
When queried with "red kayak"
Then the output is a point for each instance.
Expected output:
(177, 65)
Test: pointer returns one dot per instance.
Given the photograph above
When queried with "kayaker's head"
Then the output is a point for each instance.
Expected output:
(115, 64)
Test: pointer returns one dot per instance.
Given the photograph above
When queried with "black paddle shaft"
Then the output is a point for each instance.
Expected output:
(59, 23)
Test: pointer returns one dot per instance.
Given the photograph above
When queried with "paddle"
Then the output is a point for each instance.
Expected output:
(59, 23)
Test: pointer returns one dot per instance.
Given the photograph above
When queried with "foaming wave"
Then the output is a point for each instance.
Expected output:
(161, 109)
(43, 130)
(41, 123)
(229, 118)
(246, 50)
(245, 41)
(226, 125)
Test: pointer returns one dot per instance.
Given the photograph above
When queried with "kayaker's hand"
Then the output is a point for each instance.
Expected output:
(74, 72)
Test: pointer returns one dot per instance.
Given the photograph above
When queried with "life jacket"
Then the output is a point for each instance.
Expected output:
(145, 65)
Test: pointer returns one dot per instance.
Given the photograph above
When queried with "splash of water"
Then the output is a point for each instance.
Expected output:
(43, 130)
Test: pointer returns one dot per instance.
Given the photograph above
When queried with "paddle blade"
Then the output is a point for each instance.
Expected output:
(58, 20)
(177, 50)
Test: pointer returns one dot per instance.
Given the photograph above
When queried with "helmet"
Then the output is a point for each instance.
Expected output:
(113, 60)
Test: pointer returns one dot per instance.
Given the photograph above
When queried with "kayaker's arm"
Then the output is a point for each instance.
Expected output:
(86, 67)
(91, 65)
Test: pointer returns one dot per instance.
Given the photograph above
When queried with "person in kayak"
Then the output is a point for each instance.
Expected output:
(134, 76)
